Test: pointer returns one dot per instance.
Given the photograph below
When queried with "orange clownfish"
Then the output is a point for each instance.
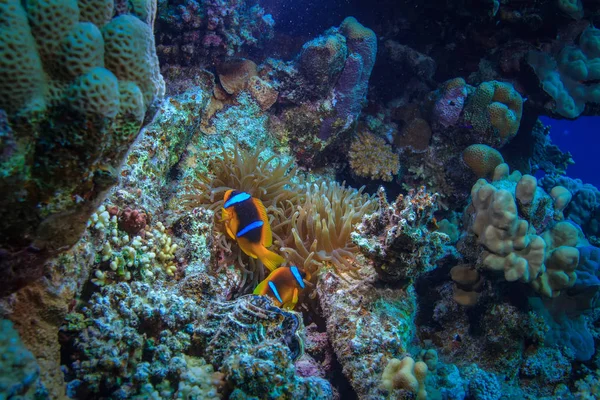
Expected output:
(283, 285)
(246, 221)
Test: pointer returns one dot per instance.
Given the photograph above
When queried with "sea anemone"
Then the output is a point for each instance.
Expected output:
(273, 182)
(321, 225)
(311, 222)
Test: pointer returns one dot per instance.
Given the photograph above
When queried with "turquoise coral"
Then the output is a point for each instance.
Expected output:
(20, 371)
(571, 78)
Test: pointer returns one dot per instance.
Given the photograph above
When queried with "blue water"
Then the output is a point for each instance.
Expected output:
(582, 138)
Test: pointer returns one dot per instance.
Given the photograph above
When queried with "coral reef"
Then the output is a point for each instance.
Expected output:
(76, 95)
(482, 159)
(323, 88)
(199, 33)
(399, 236)
(570, 78)
(129, 336)
(584, 207)
(21, 372)
(494, 110)
(472, 282)
(407, 375)
(368, 325)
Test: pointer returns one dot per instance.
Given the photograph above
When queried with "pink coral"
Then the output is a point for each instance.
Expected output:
(450, 102)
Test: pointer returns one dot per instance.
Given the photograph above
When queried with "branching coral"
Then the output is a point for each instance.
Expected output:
(147, 255)
(370, 156)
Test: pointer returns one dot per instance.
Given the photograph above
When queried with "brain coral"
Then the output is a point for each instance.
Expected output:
(495, 111)
(76, 87)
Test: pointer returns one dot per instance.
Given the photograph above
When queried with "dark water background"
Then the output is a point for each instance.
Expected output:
(582, 138)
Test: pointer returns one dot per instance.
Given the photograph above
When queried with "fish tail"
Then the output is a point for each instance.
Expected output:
(270, 259)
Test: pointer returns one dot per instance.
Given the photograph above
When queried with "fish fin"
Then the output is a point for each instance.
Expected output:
(227, 218)
(227, 195)
(292, 303)
(269, 259)
(249, 248)
(266, 235)
(260, 289)
(228, 229)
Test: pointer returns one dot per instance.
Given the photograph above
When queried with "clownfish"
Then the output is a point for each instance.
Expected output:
(246, 222)
(283, 285)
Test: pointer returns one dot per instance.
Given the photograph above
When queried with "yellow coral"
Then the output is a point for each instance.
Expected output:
(370, 156)
(406, 374)
(482, 159)
(546, 261)
(495, 106)
(354, 30)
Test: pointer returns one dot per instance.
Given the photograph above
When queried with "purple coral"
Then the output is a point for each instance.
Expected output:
(351, 88)
(450, 103)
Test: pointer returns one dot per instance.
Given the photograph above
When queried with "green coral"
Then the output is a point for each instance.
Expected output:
(123, 257)
(75, 95)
